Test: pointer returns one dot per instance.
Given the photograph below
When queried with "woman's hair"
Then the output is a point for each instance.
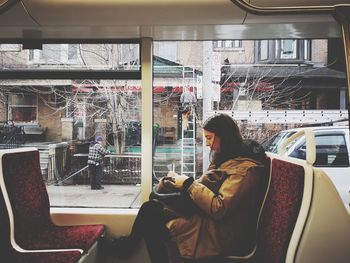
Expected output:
(231, 143)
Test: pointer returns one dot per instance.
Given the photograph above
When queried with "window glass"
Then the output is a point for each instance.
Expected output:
(23, 114)
(110, 57)
(288, 49)
(22, 99)
(272, 144)
(264, 99)
(306, 49)
(23, 108)
(194, 83)
(227, 44)
(263, 49)
(10, 47)
(62, 117)
(73, 51)
(331, 150)
(168, 50)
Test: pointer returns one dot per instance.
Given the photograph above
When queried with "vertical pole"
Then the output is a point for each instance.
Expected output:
(346, 40)
(147, 118)
(211, 87)
(342, 15)
(206, 82)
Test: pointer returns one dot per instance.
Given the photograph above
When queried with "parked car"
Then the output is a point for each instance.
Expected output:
(332, 153)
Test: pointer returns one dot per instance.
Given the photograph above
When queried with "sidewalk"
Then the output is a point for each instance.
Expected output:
(112, 196)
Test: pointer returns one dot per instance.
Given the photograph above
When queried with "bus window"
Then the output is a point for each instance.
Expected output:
(61, 117)
(267, 86)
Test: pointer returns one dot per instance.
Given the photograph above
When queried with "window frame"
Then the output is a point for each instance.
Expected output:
(10, 106)
(302, 51)
(223, 45)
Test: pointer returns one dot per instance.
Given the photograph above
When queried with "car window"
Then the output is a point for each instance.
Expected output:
(331, 151)
(272, 144)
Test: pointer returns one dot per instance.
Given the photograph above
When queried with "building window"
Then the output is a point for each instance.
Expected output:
(307, 49)
(54, 54)
(10, 47)
(227, 44)
(23, 108)
(264, 50)
(128, 56)
(72, 52)
(283, 50)
(286, 49)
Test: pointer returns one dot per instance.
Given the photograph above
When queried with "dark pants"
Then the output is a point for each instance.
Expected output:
(150, 225)
(96, 173)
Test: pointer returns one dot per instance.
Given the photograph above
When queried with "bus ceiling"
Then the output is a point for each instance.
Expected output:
(168, 19)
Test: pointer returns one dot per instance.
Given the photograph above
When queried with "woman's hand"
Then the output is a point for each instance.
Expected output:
(172, 174)
(179, 180)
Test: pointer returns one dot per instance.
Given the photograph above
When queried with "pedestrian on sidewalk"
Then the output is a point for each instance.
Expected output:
(95, 162)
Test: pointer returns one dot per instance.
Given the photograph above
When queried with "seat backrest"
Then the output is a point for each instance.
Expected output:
(250, 240)
(5, 243)
(24, 190)
(280, 211)
(12, 255)
(326, 233)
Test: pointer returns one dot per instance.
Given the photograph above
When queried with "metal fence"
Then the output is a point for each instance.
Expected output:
(118, 169)
(58, 163)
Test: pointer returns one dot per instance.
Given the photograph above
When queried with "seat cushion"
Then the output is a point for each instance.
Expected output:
(46, 257)
(48, 237)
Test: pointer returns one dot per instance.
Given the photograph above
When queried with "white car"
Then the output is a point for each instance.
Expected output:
(332, 153)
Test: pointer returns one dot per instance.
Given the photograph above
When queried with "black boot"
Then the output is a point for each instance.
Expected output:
(124, 246)
(121, 247)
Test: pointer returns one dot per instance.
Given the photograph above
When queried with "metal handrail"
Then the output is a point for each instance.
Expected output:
(7, 5)
(286, 10)
(310, 145)
(326, 9)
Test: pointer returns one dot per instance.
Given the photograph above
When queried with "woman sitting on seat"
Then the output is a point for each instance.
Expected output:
(225, 195)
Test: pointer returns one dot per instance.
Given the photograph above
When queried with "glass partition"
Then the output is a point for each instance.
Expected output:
(63, 116)
(265, 85)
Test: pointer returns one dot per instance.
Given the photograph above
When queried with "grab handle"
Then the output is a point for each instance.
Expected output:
(310, 145)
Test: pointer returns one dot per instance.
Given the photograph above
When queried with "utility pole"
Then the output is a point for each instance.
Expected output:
(211, 87)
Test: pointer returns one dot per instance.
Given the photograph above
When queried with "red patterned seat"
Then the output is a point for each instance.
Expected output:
(278, 215)
(280, 212)
(29, 208)
(297, 219)
(9, 253)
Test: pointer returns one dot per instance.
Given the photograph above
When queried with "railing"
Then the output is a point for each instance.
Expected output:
(123, 168)
(118, 169)
(287, 116)
(58, 163)
(11, 136)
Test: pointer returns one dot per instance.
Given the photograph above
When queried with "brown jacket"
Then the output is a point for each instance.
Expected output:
(227, 196)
